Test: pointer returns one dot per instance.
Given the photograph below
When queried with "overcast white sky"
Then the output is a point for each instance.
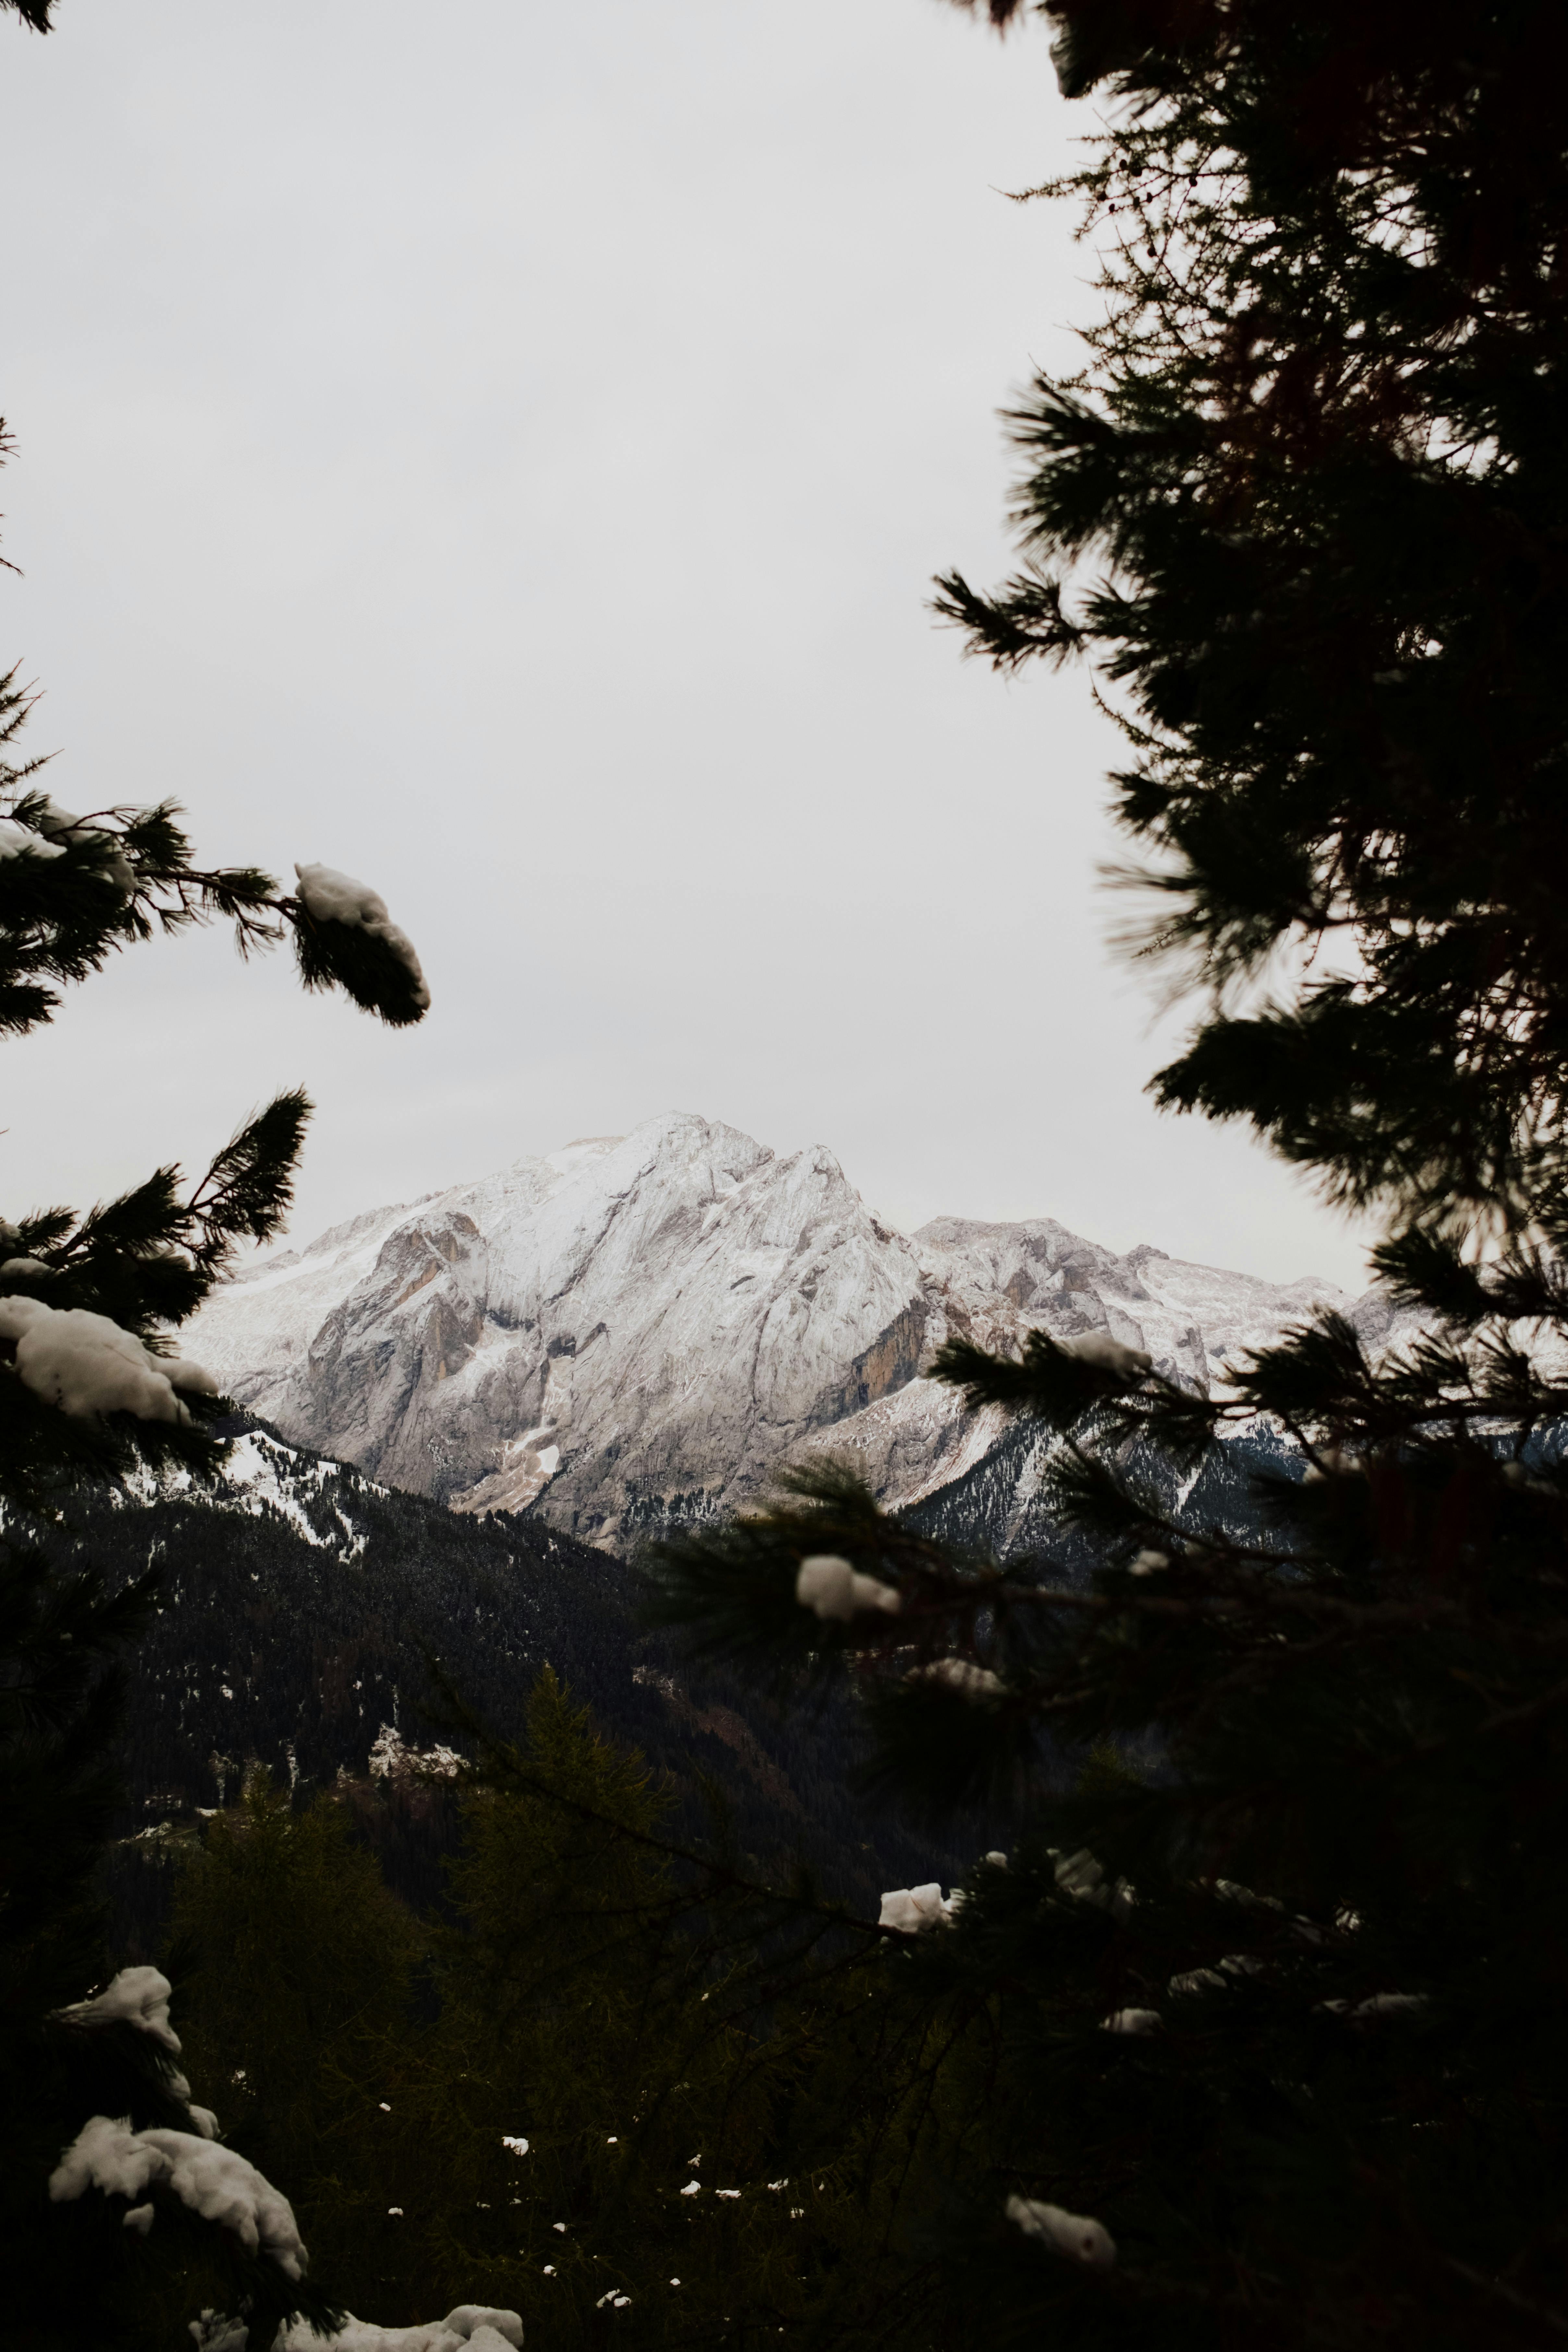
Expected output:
(503, 451)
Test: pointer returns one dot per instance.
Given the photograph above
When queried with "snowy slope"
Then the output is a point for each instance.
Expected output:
(646, 1324)
(994, 1283)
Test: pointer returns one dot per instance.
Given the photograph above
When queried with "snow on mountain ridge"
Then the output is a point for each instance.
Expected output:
(645, 1326)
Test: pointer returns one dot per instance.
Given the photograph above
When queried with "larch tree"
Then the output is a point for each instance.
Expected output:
(1276, 1957)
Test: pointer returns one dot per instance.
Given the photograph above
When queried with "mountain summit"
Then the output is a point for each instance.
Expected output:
(641, 1327)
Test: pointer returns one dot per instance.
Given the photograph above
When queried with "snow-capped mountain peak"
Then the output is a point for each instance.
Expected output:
(645, 1326)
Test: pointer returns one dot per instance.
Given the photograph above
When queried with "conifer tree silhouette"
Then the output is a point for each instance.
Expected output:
(1275, 1957)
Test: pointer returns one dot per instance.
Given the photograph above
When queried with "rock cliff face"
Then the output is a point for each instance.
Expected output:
(644, 1326)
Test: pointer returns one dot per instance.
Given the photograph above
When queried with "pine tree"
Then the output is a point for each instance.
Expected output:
(1274, 1958)
(94, 1389)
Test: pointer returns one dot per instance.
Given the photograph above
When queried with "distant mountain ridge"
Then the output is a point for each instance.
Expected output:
(640, 1329)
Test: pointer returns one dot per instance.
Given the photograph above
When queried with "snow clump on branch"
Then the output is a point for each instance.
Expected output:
(976, 1684)
(85, 1364)
(833, 1588)
(1073, 2234)
(910, 1908)
(138, 1996)
(328, 897)
(54, 825)
(472, 2327)
(60, 825)
(1381, 2004)
(214, 2181)
(16, 841)
(1192, 1981)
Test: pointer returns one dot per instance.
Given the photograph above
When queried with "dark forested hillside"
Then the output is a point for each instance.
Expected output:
(302, 1609)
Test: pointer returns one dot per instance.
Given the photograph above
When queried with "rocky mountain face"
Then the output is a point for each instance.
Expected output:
(642, 1327)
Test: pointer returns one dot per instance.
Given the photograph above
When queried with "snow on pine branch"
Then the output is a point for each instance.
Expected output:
(138, 1996)
(214, 2181)
(222, 2187)
(60, 826)
(967, 1680)
(86, 1364)
(343, 936)
(16, 841)
(53, 826)
(1083, 1879)
(910, 1908)
(833, 1588)
(472, 2327)
(328, 897)
(1072, 2234)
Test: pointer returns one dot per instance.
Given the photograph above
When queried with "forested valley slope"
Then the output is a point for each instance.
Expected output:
(308, 1617)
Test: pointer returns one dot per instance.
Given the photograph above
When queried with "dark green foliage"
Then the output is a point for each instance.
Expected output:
(1302, 508)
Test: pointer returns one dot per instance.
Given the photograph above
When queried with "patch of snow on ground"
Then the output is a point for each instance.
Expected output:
(253, 1469)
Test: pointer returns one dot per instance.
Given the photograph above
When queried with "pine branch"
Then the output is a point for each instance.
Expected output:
(249, 1187)
(1024, 620)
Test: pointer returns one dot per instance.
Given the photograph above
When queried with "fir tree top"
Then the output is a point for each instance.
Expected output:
(1304, 511)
